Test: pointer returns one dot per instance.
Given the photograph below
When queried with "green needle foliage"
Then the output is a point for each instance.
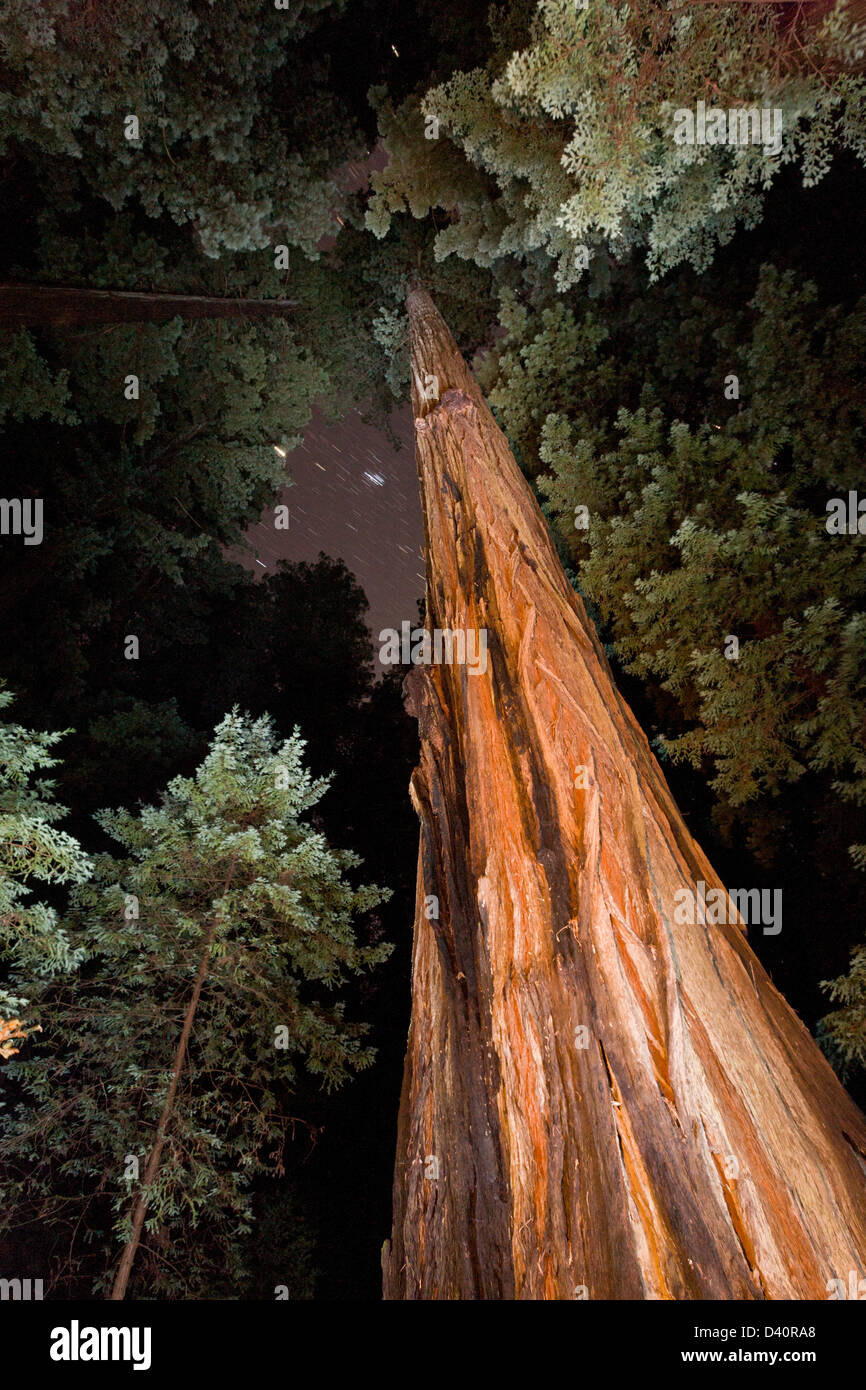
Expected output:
(32, 943)
(564, 141)
(225, 881)
(842, 1033)
(235, 134)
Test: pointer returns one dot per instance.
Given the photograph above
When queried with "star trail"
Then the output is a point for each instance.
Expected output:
(355, 497)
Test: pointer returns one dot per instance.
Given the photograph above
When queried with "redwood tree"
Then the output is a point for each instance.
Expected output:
(599, 1099)
(57, 306)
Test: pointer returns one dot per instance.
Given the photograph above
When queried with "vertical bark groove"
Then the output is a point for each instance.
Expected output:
(618, 1102)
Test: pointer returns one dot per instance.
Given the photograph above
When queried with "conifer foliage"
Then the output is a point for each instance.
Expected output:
(181, 108)
(565, 141)
(215, 944)
(32, 942)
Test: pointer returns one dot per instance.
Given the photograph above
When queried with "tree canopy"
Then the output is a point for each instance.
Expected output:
(669, 333)
(227, 878)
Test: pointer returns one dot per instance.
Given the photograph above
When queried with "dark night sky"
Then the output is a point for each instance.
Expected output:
(356, 498)
(353, 496)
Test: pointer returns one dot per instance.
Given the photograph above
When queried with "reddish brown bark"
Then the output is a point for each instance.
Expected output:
(32, 306)
(698, 1146)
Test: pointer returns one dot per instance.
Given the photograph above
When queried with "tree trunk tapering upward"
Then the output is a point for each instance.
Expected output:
(598, 1100)
(61, 306)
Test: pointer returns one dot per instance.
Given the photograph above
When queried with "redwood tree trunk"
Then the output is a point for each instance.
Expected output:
(33, 306)
(597, 1102)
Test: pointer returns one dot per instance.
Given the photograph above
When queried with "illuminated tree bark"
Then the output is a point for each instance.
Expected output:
(598, 1101)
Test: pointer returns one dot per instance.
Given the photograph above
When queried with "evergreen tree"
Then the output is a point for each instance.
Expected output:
(212, 944)
(649, 1117)
(842, 1032)
(565, 141)
(209, 114)
(33, 945)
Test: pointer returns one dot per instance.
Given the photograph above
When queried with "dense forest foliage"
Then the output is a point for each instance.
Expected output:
(670, 335)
